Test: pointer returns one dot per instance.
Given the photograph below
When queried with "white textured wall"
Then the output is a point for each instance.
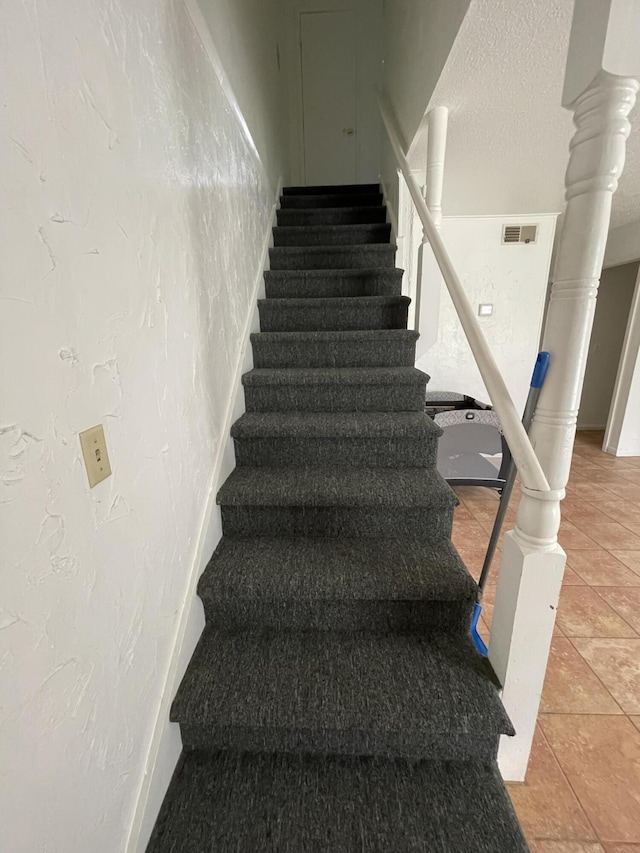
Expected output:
(418, 38)
(514, 278)
(613, 308)
(134, 217)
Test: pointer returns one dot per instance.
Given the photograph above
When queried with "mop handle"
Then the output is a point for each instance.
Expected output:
(539, 373)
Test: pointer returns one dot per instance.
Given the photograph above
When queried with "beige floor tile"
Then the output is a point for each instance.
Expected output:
(622, 848)
(622, 511)
(631, 559)
(582, 613)
(572, 538)
(565, 847)
(570, 577)
(626, 602)
(462, 513)
(601, 758)
(631, 474)
(633, 527)
(571, 687)
(635, 721)
(612, 536)
(546, 806)
(582, 511)
(592, 492)
(601, 568)
(617, 664)
(601, 477)
(625, 490)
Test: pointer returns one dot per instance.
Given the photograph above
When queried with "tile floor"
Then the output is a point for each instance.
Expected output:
(582, 793)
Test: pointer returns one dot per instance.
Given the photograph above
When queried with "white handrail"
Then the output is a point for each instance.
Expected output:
(527, 463)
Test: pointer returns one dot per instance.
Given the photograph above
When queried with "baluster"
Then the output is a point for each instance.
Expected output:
(533, 562)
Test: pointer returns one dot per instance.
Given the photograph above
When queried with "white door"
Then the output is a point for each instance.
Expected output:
(329, 65)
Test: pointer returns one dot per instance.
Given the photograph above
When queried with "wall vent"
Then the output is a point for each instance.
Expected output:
(519, 233)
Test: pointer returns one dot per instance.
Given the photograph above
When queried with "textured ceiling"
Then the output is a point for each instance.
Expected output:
(508, 139)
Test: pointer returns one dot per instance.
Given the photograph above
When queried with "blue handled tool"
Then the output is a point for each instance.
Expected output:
(539, 373)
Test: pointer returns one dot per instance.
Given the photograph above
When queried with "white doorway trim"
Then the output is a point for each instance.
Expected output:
(369, 17)
(627, 366)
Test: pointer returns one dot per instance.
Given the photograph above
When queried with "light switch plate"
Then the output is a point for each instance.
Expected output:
(96, 458)
(485, 309)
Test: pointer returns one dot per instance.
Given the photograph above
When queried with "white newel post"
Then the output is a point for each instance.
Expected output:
(600, 88)
(429, 279)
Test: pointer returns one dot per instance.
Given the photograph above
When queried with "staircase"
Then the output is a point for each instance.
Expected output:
(335, 702)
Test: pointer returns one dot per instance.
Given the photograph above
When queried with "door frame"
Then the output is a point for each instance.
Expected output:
(626, 368)
(369, 22)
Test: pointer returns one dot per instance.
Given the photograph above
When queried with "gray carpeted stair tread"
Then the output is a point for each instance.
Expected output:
(243, 803)
(349, 199)
(337, 585)
(360, 348)
(331, 234)
(336, 425)
(332, 282)
(380, 255)
(332, 189)
(342, 375)
(325, 487)
(335, 439)
(340, 692)
(334, 313)
(337, 569)
(331, 215)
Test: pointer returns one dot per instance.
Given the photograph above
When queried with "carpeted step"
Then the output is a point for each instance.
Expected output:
(331, 215)
(371, 503)
(243, 803)
(331, 235)
(377, 348)
(337, 585)
(335, 314)
(306, 284)
(323, 199)
(418, 696)
(332, 189)
(332, 257)
(335, 439)
(325, 389)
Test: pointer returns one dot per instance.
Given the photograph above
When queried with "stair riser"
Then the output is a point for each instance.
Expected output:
(404, 744)
(335, 398)
(332, 216)
(339, 200)
(332, 285)
(332, 258)
(314, 615)
(333, 354)
(335, 452)
(276, 317)
(370, 522)
(331, 236)
(332, 189)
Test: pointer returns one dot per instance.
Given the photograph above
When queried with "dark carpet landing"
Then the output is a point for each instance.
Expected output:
(335, 702)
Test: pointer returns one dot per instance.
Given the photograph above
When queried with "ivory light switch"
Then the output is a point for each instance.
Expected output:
(96, 458)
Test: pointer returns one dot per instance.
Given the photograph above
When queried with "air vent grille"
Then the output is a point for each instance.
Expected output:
(519, 233)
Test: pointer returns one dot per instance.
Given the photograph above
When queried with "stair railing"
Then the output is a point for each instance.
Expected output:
(529, 468)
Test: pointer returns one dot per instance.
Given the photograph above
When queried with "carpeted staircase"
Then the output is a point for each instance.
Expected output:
(335, 703)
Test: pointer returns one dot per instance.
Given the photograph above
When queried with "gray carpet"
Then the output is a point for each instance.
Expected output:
(335, 702)
(287, 803)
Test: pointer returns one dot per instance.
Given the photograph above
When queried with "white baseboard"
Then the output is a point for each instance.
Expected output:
(390, 212)
(166, 745)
